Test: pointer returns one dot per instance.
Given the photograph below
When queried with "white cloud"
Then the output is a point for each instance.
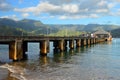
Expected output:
(42, 7)
(78, 16)
(102, 10)
(4, 6)
(117, 0)
(111, 5)
(71, 9)
(46, 17)
(46, 7)
(21, 1)
(117, 13)
(102, 3)
(30, 9)
(4, 17)
(25, 15)
(93, 16)
(14, 17)
(63, 17)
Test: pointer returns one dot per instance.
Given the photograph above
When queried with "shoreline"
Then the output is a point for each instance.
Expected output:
(5, 74)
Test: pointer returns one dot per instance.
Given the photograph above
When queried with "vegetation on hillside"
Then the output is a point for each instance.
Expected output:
(67, 33)
(116, 33)
(6, 30)
(34, 27)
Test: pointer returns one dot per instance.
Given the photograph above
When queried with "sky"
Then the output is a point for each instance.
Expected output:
(63, 11)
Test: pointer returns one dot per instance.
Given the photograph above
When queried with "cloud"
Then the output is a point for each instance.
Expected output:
(4, 6)
(21, 1)
(78, 16)
(4, 17)
(117, 0)
(14, 17)
(25, 15)
(59, 2)
(71, 9)
(102, 10)
(102, 3)
(117, 13)
(46, 7)
(42, 7)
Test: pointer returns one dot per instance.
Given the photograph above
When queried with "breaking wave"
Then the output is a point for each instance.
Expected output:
(16, 71)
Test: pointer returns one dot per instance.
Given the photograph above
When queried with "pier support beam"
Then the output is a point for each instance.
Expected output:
(78, 43)
(61, 45)
(48, 46)
(43, 47)
(92, 41)
(88, 41)
(83, 42)
(97, 41)
(16, 50)
(71, 44)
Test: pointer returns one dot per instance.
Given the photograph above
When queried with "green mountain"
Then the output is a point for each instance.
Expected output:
(88, 28)
(5, 30)
(114, 29)
(116, 33)
(35, 27)
(25, 26)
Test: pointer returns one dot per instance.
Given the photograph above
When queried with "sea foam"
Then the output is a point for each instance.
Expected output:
(16, 71)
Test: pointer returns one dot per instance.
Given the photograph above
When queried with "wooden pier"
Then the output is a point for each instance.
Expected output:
(18, 44)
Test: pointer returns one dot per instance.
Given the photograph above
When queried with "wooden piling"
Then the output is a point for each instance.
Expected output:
(43, 47)
(78, 43)
(88, 41)
(71, 44)
(61, 45)
(16, 50)
(82, 42)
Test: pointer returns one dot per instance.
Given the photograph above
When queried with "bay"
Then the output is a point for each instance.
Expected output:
(95, 62)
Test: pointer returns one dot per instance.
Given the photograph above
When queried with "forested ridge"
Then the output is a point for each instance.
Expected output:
(36, 27)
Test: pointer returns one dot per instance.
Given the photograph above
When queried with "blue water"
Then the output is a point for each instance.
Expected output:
(95, 62)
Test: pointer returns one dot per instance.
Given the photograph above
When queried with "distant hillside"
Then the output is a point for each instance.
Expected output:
(5, 30)
(88, 28)
(32, 27)
(116, 33)
(35, 27)
(114, 29)
(25, 24)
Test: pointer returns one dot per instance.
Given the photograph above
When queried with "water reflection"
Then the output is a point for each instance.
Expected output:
(62, 57)
(109, 42)
(44, 60)
(34, 62)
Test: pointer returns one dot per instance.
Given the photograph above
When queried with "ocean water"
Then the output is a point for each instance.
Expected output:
(95, 62)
